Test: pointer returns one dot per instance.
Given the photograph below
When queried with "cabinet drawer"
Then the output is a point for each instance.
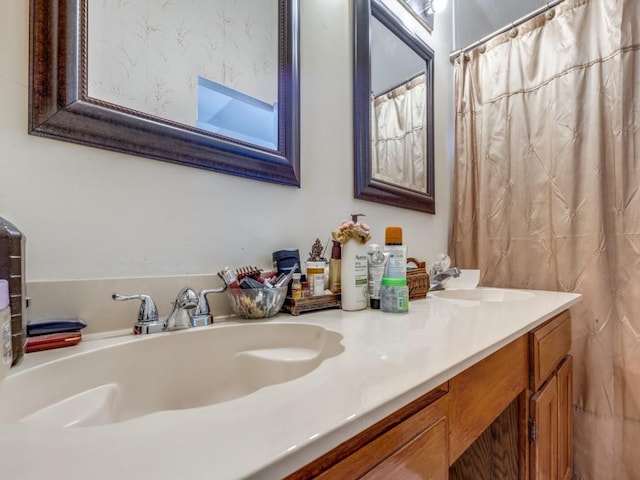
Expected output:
(423, 458)
(418, 442)
(548, 344)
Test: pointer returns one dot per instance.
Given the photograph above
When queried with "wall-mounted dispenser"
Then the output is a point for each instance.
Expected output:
(12, 256)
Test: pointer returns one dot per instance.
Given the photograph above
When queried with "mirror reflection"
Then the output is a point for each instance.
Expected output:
(398, 111)
(210, 65)
(393, 110)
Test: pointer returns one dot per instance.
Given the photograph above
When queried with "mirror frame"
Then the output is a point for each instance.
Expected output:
(60, 108)
(365, 186)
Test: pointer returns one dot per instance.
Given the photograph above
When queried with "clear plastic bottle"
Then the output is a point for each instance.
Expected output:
(397, 263)
(296, 286)
(394, 295)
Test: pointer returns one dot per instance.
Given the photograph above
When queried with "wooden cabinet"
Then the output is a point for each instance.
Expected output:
(551, 380)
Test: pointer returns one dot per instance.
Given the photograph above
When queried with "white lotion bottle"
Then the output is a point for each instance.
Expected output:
(354, 276)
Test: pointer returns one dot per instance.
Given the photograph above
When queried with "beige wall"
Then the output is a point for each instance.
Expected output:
(94, 214)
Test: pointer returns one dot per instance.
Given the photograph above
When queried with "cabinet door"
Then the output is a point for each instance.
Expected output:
(544, 432)
(549, 344)
(565, 416)
(424, 458)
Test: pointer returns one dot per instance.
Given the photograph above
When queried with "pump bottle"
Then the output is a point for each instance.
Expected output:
(354, 280)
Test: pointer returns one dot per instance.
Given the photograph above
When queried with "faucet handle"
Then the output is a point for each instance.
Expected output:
(202, 315)
(148, 311)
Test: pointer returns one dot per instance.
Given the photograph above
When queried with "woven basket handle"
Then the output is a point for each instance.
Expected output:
(418, 263)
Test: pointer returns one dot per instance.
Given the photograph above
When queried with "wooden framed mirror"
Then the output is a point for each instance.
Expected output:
(393, 111)
(63, 105)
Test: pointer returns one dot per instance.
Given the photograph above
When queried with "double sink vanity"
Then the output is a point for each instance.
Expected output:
(330, 394)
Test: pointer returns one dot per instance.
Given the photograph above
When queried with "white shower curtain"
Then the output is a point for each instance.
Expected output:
(547, 196)
(399, 139)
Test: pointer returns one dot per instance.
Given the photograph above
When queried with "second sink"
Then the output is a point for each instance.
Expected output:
(483, 295)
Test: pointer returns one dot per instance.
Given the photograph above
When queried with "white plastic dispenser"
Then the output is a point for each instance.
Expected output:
(354, 276)
(5, 330)
(354, 282)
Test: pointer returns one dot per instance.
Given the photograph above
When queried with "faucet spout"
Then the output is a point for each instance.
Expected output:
(179, 317)
(439, 280)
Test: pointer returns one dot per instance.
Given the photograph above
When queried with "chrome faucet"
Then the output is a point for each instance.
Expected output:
(189, 310)
(439, 279)
(148, 321)
(179, 317)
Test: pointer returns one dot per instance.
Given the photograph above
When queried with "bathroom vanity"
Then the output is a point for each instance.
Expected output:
(429, 436)
(478, 383)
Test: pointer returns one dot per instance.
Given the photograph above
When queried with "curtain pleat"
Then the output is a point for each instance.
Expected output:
(399, 139)
(547, 196)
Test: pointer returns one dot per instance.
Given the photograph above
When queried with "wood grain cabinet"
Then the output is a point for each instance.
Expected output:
(551, 380)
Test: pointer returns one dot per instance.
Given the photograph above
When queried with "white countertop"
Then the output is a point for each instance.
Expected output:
(389, 360)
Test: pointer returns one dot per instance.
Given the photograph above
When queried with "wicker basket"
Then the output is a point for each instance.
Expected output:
(417, 280)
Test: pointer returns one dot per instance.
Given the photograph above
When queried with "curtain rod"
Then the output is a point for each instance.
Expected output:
(404, 82)
(520, 21)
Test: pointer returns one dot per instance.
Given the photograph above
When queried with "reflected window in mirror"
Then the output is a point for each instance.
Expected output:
(393, 107)
(210, 65)
(212, 84)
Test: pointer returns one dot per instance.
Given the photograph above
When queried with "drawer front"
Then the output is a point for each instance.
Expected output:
(424, 458)
(482, 392)
(549, 344)
(408, 440)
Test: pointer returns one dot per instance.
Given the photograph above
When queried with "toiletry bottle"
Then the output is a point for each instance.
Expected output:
(305, 286)
(376, 267)
(12, 259)
(354, 279)
(296, 286)
(6, 350)
(397, 262)
(229, 277)
(316, 268)
(315, 277)
(394, 295)
(335, 267)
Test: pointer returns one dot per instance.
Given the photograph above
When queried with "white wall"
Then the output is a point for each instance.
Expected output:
(475, 19)
(90, 213)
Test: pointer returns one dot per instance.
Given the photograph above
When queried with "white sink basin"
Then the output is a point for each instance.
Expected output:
(482, 295)
(142, 375)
